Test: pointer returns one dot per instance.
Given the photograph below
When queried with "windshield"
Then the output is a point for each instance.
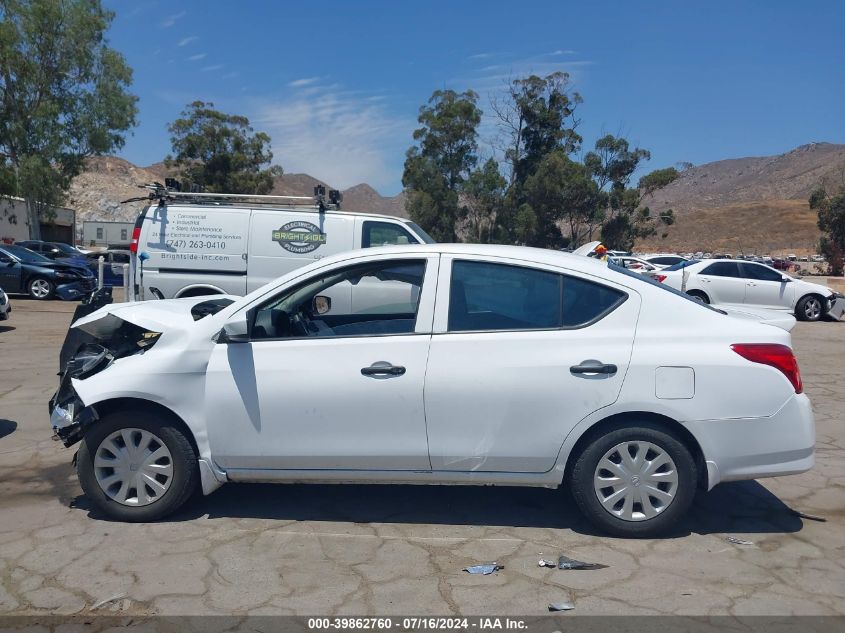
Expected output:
(67, 249)
(425, 237)
(657, 284)
(25, 255)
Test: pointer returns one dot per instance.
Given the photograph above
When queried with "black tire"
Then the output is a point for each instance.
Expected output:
(586, 464)
(700, 295)
(184, 458)
(810, 308)
(40, 282)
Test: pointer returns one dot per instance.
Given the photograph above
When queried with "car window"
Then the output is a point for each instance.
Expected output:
(665, 261)
(372, 299)
(682, 264)
(26, 256)
(722, 269)
(762, 273)
(423, 235)
(385, 234)
(120, 258)
(485, 296)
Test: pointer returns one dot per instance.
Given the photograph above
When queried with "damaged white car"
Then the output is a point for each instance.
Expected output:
(463, 364)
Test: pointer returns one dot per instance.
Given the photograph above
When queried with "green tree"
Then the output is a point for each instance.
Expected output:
(831, 211)
(437, 168)
(621, 218)
(483, 197)
(220, 152)
(63, 97)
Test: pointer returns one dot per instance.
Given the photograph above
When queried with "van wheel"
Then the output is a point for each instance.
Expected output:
(40, 288)
(134, 467)
(809, 308)
(634, 481)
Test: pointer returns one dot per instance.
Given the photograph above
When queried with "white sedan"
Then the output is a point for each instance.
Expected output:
(439, 363)
(635, 263)
(734, 282)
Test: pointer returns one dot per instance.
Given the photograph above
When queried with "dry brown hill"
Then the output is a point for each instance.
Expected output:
(754, 204)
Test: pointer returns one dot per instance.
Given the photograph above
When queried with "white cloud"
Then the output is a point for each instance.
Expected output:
(562, 52)
(170, 20)
(344, 138)
(305, 81)
(187, 40)
(213, 67)
(481, 56)
(197, 57)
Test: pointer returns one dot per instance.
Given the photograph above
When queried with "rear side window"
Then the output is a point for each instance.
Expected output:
(665, 261)
(722, 269)
(486, 296)
(384, 234)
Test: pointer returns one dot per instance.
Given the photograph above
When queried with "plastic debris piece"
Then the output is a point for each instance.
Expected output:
(102, 603)
(561, 606)
(738, 541)
(565, 562)
(485, 569)
(811, 517)
(547, 563)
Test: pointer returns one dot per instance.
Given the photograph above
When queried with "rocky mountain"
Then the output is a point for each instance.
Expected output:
(756, 204)
(96, 194)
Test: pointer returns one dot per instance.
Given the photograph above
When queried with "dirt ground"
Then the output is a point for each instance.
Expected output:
(319, 550)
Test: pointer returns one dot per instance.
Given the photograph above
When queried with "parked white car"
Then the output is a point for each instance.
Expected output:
(635, 264)
(664, 260)
(5, 306)
(493, 365)
(735, 282)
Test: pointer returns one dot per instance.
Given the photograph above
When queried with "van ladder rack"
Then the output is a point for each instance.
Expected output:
(164, 194)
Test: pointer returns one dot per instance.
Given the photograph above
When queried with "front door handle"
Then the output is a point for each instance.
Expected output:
(593, 367)
(383, 369)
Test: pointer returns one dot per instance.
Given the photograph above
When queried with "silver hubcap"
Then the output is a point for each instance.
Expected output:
(40, 288)
(636, 481)
(133, 467)
(813, 308)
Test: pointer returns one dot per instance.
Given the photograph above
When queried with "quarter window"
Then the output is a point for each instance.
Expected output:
(485, 296)
(366, 300)
(722, 269)
(384, 234)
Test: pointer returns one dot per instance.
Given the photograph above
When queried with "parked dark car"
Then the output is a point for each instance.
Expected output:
(112, 269)
(23, 271)
(781, 264)
(56, 251)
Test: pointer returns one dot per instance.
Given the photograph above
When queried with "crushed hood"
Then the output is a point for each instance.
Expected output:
(161, 315)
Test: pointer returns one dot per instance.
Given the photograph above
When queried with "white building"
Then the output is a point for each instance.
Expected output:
(14, 223)
(102, 233)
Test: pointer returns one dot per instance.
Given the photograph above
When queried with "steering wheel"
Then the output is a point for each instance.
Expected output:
(298, 323)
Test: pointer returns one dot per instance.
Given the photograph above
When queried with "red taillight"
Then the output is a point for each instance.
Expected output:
(777, 356)
(136, 235)
(660, 278)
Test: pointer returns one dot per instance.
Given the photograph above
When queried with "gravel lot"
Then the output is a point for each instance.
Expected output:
(262, 549)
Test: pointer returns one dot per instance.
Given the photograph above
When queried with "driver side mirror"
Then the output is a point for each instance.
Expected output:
(7, 260)
(785, 278)
(235, 330)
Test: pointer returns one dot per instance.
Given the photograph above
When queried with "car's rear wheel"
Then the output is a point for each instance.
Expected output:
(809, 308)
(634, 481)
(40, 288)
(699, 295)
(135, 467)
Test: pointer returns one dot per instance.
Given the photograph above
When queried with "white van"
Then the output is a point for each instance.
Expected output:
(187, 245)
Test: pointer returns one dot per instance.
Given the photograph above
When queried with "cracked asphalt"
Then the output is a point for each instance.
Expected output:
(366, 550)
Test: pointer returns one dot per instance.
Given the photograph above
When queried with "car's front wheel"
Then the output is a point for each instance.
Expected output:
(699, 295)
(40, 288)
(634, 481)
(135, 467)
(809, 308)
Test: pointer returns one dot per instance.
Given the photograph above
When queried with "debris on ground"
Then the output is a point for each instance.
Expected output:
(561, 606)
(811, 517)
(565, 562)
(485, 569)
(547, 563)
(738, 541)
(103, 603)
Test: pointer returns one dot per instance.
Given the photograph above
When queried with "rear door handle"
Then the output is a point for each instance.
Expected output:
(594, 367)
(383, 369)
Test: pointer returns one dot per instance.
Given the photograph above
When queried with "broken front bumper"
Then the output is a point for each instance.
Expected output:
(837, 307)
(69, 416)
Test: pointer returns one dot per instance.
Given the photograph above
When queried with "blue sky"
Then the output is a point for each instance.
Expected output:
(338, 85)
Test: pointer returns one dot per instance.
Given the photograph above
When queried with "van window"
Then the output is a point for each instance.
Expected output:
(385, 234)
